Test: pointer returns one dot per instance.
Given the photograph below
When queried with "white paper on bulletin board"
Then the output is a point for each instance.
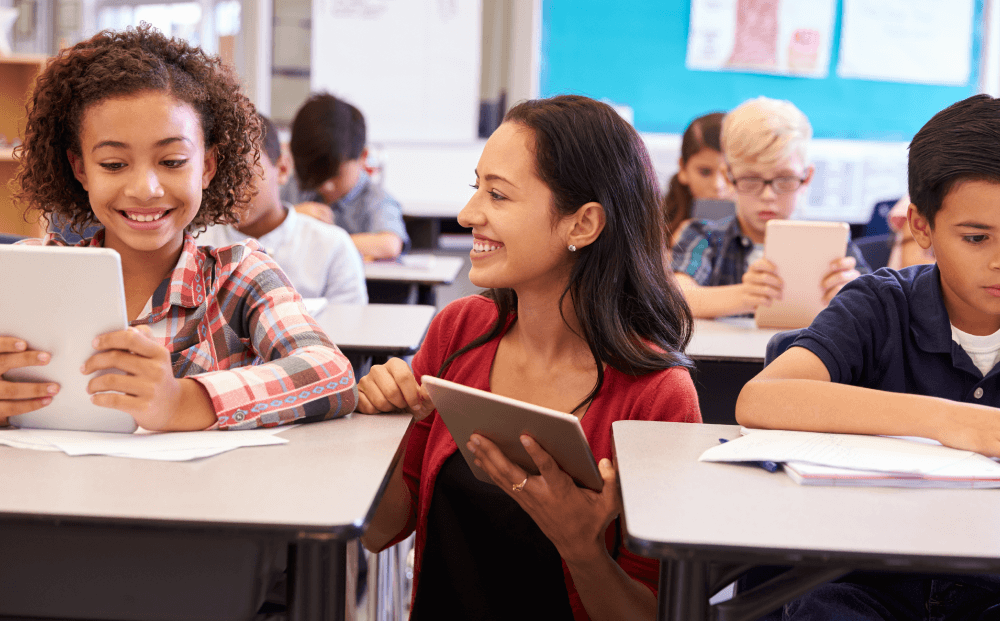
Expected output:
(411, 66)
(782, 37)
(921, 41)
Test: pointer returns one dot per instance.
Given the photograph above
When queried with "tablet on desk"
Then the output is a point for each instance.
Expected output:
(503, 420)
(57, 300)
(802, 251)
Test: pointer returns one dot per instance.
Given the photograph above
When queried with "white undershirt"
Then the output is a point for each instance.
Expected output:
(984, 350)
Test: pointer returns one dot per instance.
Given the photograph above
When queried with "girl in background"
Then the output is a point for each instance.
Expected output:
(702, 173)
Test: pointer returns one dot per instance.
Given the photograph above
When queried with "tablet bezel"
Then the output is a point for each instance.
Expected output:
(57, 299)
(503, 420)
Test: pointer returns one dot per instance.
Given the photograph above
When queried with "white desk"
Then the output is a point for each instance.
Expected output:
(731, 338)
(170, 527)
(709, 522)
(377, 329)
(421, 269)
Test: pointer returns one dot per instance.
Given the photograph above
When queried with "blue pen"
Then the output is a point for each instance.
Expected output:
(770, 466)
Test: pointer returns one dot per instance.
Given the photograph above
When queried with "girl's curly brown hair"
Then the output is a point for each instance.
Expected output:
(119, 64)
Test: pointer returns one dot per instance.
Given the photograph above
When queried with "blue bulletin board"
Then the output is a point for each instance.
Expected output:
(633, 53)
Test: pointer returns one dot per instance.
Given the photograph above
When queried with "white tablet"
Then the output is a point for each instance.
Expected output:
(802, 252)
(58, 299)
(503, 420)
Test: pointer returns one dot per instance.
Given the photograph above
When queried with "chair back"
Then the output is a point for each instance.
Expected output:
(876, 249)
(778, 343)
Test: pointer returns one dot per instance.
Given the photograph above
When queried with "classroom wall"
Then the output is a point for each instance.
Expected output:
(633, 53)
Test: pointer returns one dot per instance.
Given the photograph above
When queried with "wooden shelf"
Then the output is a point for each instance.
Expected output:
(6, 154)
(17, 79)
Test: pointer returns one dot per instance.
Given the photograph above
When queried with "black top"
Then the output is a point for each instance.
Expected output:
(484, 557)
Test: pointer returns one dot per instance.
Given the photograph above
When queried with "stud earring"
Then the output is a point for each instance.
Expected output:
(571, 248)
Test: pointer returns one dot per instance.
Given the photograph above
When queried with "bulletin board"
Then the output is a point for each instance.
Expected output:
(633, 53)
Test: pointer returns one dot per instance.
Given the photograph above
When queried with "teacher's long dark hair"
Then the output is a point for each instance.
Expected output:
(632, 314)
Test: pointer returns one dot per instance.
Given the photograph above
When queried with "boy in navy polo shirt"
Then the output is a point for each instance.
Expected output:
(909, 353)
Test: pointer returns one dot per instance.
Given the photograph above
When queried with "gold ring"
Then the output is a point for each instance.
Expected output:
(519, 486)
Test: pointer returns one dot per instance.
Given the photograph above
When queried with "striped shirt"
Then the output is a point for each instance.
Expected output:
(232, 322)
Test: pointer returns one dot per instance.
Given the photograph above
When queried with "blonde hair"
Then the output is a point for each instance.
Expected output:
(765, 131)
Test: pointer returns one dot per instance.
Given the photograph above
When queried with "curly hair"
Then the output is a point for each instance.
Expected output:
(119, 64)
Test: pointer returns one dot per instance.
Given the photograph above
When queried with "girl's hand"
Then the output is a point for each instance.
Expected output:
(573, 518)
(21, 397)
(148, 390)
(391, 387)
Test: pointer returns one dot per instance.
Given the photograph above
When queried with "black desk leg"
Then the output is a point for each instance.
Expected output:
(318, 581)
(683, 592)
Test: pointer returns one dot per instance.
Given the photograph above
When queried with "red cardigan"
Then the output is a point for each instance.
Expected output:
(664, 395)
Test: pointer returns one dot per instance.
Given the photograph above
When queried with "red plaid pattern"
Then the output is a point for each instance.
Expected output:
(237, 326)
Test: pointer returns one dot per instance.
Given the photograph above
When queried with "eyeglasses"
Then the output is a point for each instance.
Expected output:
(756, 185)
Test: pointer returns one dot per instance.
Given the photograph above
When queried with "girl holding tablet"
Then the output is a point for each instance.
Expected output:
(154, 140)
(578, 317)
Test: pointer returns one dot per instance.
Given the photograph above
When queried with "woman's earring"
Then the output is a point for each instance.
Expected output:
(571, 248)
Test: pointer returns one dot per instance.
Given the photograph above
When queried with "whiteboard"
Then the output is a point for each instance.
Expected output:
(411, 66)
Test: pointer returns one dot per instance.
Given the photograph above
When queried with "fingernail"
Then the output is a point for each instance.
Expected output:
(46, 400)
(94, 343)
(470, 446)
(52, 389)
(474, 441)
(83, 368)
(44, 357)
(20, 346)
(525, 440)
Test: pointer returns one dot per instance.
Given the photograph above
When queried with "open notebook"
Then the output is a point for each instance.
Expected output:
(843, 459)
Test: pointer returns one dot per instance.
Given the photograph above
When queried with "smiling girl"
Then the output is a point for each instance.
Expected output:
(578, 317)
(152, 138)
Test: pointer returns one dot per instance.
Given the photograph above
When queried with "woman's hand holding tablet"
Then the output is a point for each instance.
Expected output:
(573, 518)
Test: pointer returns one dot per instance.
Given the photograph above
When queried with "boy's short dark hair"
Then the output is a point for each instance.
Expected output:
(269, 141)
(326, 132)
(959, 143)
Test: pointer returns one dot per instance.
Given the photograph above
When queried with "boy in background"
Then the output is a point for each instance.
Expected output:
(318, 258)
(720, 265)
(328, 150)
(909, 353)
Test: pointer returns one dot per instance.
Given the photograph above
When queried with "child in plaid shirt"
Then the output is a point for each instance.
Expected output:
(152, 138)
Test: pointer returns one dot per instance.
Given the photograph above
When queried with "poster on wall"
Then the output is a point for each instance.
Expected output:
(780, 37)
(411, 66)
(920, 41)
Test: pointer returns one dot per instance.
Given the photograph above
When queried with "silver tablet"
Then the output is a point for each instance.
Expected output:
(802, 252)
(58, 299)
(503, 420)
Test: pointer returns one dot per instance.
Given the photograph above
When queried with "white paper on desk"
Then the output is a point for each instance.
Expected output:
(179, 446)
(314, 305)
(856, 452)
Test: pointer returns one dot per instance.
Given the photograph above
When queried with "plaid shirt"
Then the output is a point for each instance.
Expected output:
(715, 252)
(236, 326)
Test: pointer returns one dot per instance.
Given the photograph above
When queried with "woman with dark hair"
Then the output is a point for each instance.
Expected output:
(578, 317)
(702, 173)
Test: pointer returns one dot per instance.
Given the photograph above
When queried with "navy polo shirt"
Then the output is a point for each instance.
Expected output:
(890, 331)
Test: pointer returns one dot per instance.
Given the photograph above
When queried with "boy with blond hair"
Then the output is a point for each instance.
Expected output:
(720, 265)
(911, 352)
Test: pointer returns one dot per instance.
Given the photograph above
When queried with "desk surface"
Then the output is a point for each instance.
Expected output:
(325, 479)
(675, 505)
(423, 269)
(387, 329)
(732, 338)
